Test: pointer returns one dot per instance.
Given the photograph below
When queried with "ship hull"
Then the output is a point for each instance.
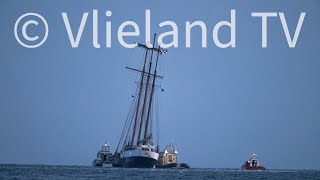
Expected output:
(138, 162)
(137, 159)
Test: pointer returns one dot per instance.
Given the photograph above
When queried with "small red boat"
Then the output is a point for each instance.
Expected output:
(253, 164)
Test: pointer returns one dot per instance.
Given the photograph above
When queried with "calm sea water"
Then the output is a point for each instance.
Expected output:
(88, 172)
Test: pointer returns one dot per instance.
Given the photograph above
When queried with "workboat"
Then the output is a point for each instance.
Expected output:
(169, 158)
(253, 164)
(136, 147)
(104, 157)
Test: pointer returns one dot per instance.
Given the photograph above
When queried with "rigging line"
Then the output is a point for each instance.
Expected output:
(127, 140)
(128, 131)
(130, 55)
(139, 115)
(147, 127)
(137, 75)
(140, 63)
(129, 118)
(123, 131)
(151, 121)
(126, 124)
(157, 119)
(133, 113)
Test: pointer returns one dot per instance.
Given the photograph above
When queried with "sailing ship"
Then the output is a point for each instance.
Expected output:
(104, 157)
(136, 147)
(253, 164)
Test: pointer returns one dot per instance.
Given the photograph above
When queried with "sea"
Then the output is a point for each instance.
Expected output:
(89, 172)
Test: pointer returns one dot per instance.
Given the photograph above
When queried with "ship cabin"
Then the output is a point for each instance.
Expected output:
(168, 156)
(253, 161)
(105, 154)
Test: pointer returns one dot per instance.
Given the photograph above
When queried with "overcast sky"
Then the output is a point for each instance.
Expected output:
(59, 104)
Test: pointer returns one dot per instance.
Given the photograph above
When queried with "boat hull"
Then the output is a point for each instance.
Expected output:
(174, 165)
(253, 168)
(101, 164)
(138, 162)
(137, 159)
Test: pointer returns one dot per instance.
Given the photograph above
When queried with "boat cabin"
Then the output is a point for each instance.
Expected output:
(254, 161)
(104, 156)
(253, 164)
(169, 155)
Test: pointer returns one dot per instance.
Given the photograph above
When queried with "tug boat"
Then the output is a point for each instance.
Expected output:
(168, 159)
(104, 157)
(253, 164)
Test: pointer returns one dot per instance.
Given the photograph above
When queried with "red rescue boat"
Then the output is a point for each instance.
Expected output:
(253, 164)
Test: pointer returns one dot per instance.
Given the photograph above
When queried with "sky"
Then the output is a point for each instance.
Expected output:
(59, 104)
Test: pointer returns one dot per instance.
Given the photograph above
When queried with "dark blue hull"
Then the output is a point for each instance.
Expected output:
(136, 162)
(174, 165)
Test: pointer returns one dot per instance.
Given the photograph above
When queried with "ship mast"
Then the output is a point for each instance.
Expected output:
(147, 96)
(139, 97)
(146, 92)
(151, 96)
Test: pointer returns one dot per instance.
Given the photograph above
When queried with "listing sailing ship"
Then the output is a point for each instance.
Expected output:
(253, 164)
(136, 148)
(104, 157)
